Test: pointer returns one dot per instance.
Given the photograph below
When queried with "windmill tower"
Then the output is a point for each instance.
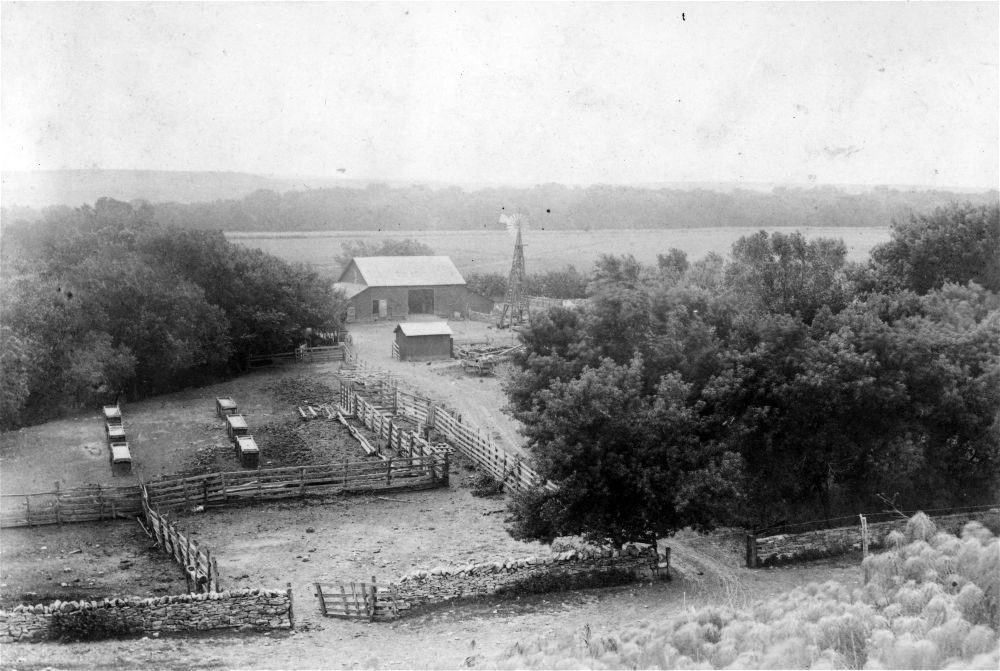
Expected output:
(515, 307)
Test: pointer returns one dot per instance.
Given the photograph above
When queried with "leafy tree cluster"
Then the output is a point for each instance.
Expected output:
(104, 300)
(554, 207)
(405, 247)
(780, 384)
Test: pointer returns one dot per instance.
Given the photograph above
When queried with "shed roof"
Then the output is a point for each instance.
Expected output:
(423, 328)
(350, 289)
(404, 271)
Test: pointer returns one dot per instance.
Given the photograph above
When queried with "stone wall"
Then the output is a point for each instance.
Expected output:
(786, 548)
(572, 569)
(246, 609)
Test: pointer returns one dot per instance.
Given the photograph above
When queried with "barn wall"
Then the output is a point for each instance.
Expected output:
(422, 348)
(447, 301)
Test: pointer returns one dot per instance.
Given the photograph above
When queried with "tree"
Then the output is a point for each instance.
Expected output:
(956, 243)
(629, 467)
(391, 247)
(785, 273)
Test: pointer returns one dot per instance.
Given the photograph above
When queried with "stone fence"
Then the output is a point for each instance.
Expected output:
(246, 609)
(572, 569)
(787, 548)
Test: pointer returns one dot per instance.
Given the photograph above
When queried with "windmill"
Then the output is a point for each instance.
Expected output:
(515, 307)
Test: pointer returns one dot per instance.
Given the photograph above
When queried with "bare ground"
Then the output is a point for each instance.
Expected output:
(352, 538)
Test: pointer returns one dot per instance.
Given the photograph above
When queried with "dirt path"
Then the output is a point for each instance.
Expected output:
(477, 398)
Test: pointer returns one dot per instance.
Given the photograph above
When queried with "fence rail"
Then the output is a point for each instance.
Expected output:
(357, 600)
(375, 400)
(297, 481)
(82, 504)
(200, 569)
(322, 354)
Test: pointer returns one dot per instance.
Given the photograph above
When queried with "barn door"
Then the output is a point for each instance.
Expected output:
(421, 301)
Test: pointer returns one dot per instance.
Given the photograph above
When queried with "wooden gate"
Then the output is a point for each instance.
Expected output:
(357, 601)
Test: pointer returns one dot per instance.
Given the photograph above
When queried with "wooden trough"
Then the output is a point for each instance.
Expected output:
(225, 406)
(112, 414)
(247, 452)
(236, 425)
(120, 458)
(115, 432)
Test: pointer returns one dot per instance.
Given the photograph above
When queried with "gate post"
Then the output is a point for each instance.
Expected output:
(751, 550)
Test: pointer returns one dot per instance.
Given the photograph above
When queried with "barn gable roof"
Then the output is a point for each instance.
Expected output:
(423, 328)
(349, 288)
(406, 271)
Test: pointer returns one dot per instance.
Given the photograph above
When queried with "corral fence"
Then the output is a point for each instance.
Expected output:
(357, 600)
(82, 504)
(834, 536)
(200, 569)
(374, 401)
(323, 354)
(270, 484)
(88, 504)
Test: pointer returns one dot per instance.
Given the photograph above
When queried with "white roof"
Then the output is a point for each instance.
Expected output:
(350, 289)
(424, 328)
(406, 271)
(112, 411)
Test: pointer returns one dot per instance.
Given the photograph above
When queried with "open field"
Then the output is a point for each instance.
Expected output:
(490, 251)
(331, 539)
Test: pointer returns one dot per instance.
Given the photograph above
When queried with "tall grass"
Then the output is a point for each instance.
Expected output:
(932, 602)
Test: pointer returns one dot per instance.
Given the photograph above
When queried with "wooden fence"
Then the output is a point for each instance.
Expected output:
(272, 484)
(301, 355)
(200, 569)
(357, 600)
(82, 504)
(377, 415)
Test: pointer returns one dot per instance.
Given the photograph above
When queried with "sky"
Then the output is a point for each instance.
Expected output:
(498, 93)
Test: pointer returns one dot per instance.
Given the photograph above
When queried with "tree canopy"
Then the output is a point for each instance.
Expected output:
(777, 385)
(103, 300)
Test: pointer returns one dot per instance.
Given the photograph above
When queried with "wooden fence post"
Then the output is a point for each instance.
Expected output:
(291, 615)
(751, 550)
(388, 472)
(260, 486)
(225, 492)
(58, 508)
(864, 536)
(319, 594)
(215, 577)
(27, 509)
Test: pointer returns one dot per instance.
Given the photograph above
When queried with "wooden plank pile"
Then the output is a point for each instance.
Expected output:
(483, 359)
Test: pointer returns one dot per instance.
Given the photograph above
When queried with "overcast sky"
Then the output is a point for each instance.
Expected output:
(872, 93)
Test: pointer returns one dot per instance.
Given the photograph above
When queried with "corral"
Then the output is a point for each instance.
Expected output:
(329, 539)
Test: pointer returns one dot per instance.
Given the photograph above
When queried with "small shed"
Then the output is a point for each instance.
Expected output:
(236, 426)
(422, 341)
(121, 459)
(247, 452)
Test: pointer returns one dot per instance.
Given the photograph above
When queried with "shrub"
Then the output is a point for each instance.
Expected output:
(932, 620)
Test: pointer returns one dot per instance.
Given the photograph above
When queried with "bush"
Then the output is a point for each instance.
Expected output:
(908, 615)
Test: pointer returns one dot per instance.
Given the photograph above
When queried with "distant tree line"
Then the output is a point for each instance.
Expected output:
(552, 207)
(106, 300)
(781, 384)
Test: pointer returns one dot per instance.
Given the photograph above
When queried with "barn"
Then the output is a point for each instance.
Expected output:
(422, 341)
(387, 287)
